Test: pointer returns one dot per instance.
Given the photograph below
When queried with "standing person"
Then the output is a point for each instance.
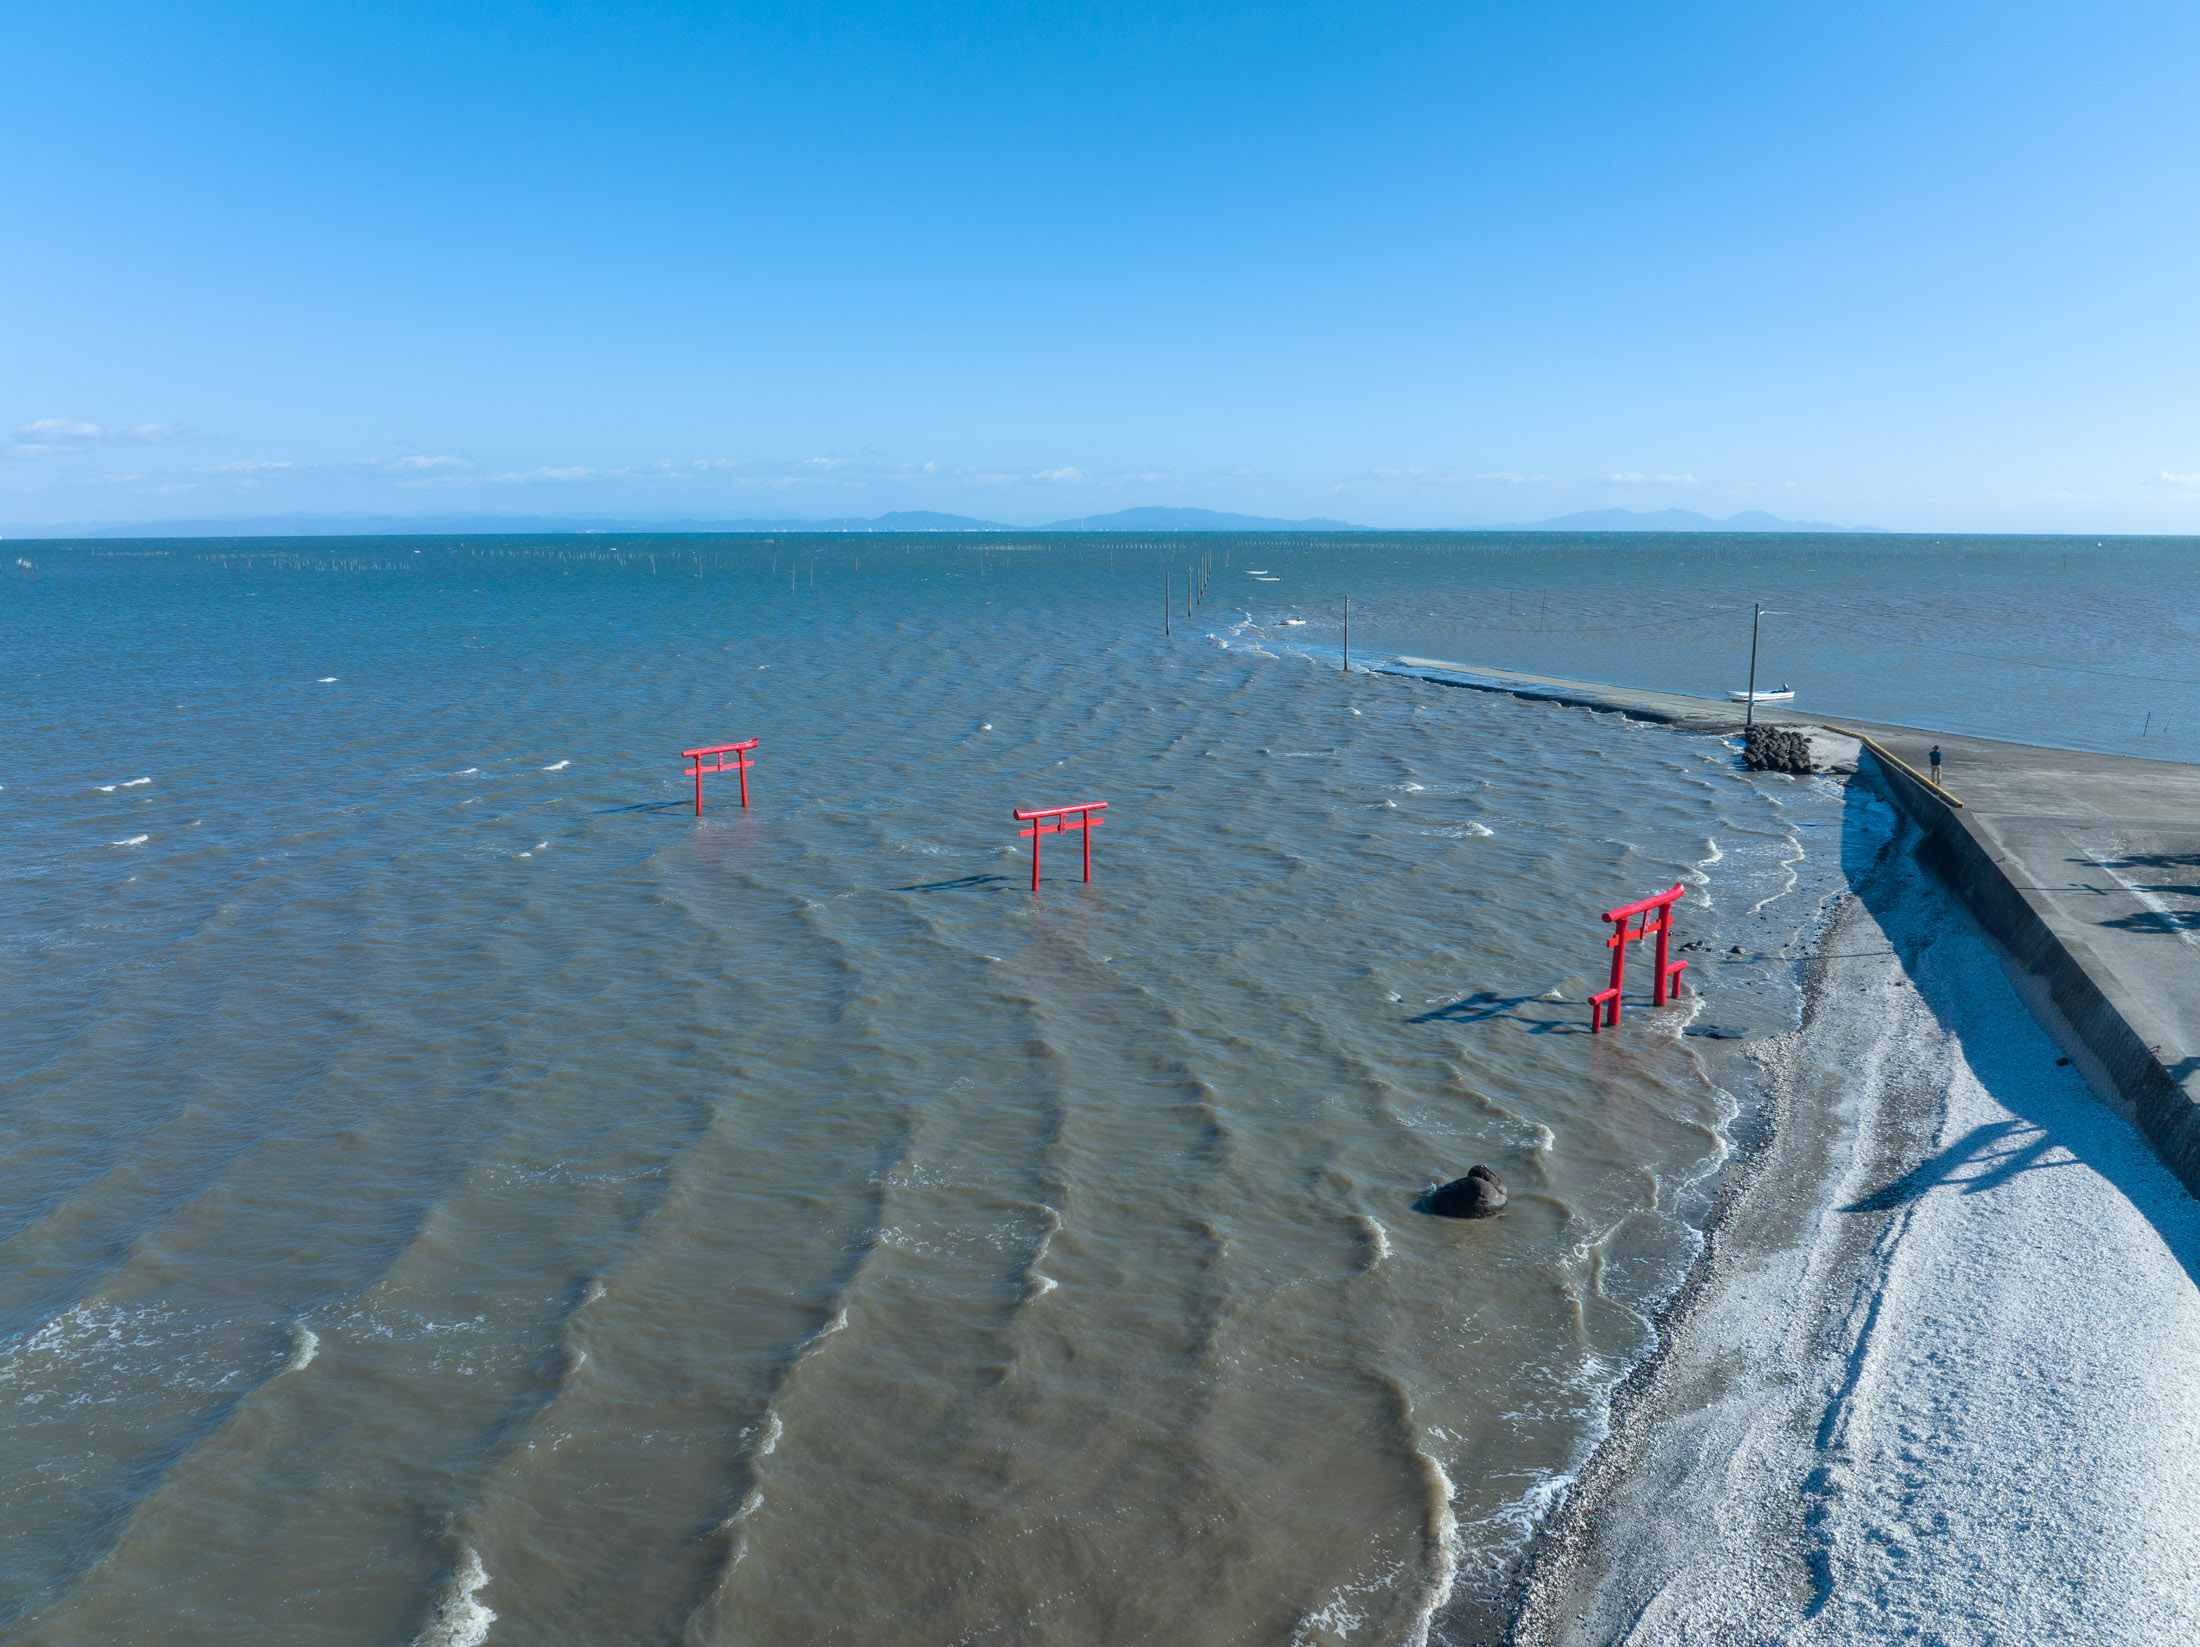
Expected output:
(1934, 757)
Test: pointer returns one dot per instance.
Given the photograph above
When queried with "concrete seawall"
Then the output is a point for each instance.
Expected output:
(2084, 868)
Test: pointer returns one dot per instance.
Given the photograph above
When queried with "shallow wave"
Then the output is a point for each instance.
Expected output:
(459, 1618)
(305, 1344)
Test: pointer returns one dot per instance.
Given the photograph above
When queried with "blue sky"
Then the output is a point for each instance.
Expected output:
(1925, 266)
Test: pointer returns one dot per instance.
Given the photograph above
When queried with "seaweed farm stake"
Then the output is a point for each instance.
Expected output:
(740, 763)
(1056, 820)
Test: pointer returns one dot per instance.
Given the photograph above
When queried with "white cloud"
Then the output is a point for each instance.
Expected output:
(58, 429)
(247, 466)
(1632, 478)
(68, 434)
(520, 476)
(2168, 479)
(1512, 477)
(1059, 474)
(417, 463)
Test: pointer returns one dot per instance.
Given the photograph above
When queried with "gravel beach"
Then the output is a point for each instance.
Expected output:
(1934, 1379)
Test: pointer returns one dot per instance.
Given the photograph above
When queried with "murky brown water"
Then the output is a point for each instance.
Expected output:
(456, 1195)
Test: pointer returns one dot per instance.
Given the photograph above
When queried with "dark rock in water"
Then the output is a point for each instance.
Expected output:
(1776, 749)
(1736, 950)
(1481, 1194)
(1718, 1032)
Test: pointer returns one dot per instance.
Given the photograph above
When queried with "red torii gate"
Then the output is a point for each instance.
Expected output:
(740, 763)
(1060, 824)
(1656, 921)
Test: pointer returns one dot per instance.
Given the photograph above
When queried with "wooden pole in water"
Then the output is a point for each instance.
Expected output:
(1345, 668)
(1167, 600)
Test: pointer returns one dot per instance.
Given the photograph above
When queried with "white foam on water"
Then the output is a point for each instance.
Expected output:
(459, 1620)
(733, 1530)
(467, 773)
(1336, 1617)
(1443, 1533)
(1294, 623)
(594, 1291)
(1377, 1236)
(1041, 1285)
(128, 783)
(134, 840)
(1788, 861)
(305, 1344)
(773, 1430)
(558, 766)
(330, 680)
(817, 1339)
(1473, 828)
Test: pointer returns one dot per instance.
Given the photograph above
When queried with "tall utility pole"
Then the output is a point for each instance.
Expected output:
(1749, 712)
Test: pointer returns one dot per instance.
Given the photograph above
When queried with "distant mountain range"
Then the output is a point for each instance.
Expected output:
(900, 520)
(1673, 520)
(1195, 520)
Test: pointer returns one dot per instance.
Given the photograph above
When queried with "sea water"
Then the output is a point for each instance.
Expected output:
(457, 1194)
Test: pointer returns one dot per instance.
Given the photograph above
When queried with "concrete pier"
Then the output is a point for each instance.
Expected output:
(2084, 868)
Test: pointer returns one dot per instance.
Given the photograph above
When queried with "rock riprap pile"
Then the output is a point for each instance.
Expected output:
(1776, 749)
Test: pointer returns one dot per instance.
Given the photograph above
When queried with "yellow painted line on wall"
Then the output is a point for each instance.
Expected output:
(1892, 759)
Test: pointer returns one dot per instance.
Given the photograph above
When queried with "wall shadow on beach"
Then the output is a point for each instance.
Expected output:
(1961, 978)
(1999, 1150)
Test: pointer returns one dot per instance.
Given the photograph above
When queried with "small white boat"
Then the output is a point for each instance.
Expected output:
(1294, 623)
(1786, 694)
